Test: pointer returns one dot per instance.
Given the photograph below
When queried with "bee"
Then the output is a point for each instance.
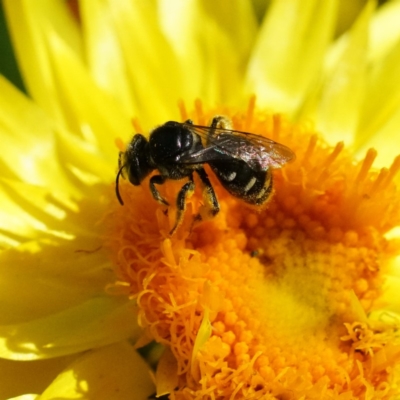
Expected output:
(241, 161)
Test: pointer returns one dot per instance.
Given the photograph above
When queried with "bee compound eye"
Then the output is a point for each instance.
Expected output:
(137, 160)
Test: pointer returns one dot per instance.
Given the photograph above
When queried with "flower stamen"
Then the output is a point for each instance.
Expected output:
(182, 110)
(393, 171)
(250, 111)
(366, 166)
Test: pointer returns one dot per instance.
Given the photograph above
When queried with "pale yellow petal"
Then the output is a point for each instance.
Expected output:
(203, 335)
(383, 93)
(94, 323)
(27, 209)
(114, 372)
(260, 7)
(289, 51)
(347, 14)
(344, 84)
(75, 154)
(28, 141)
(226, 48)
(90, 111)
(153, 71)
(72, 97)
(390, 300)
(214, 52)
(380, 114)
(384, 30)
(39, 279)
(237, 21)
(19, 377)
(30, 22)
(167, 373)
(104, 53)
(385, 141)
(26, 397)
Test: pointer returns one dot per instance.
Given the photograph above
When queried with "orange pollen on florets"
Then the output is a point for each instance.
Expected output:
(272, 300)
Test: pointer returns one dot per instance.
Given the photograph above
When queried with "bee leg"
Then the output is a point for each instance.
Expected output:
(208, 194)
(159, 180)
(186, 190)
(219, 122)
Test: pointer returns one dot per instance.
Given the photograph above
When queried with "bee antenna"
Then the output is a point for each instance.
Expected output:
(117, 186)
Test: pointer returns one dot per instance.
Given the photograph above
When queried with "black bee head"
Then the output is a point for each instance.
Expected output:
(136, 160)
(134, 163)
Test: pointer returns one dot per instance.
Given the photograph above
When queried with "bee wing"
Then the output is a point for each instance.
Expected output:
(257, 151)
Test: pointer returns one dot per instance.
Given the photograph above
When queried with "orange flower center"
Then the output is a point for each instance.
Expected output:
(269, 301)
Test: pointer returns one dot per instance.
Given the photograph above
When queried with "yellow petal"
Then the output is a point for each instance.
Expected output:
(32, 287)
(380, 122)
(77, 154)
(167, 373)
(89, 111)
(390, 300)
(238, 23)
(104, 53)
(289, 50)
(94, 323)
(203, 335)
(27, 141)
(385, 140)
(27, 210)
(343, 90)
(153, 71)
(380, 112)
(347, 13)
(29, 23)
(212, 53)
(29, 377)
(384, 30)
(114, 372)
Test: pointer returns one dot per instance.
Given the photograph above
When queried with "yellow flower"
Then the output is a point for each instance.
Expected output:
(294, 300)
